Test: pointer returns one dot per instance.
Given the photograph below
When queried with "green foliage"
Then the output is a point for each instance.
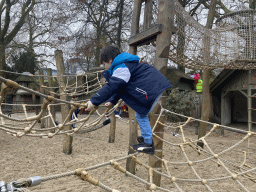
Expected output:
(182, 102)
(24, 62)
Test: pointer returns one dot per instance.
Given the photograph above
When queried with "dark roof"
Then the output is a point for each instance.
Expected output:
(174, 76)
(24, 78)
(224, 74)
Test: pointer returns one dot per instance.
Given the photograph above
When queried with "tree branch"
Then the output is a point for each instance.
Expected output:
(29, 5)
(7, 20)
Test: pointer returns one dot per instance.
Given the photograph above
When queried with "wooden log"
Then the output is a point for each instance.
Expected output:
(65, 108)
(166, 18)
(41, 82)
(147, 36)
(148, 14)
(133, 125)
(52, 107)
(159, 130)
(112, 130)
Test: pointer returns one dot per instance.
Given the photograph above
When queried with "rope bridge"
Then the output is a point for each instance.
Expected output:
(230, 45)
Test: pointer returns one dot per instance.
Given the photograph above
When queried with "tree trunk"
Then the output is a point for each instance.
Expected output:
(206, 102)
(120, 23)
(181, 40)
(98, 48)
(2, 61)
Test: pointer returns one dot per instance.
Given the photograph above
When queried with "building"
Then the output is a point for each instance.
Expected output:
(21, 96)
(233, 94)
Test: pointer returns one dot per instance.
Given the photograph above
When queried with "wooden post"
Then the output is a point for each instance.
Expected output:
(249, 99)
(165, 17)
(148, 14)
(65, 108)
(133, 124)
(112, 130)
(52, 107)
(41, 82)
(206, 98)
(34, 102)
(223, 100)
(159, 131)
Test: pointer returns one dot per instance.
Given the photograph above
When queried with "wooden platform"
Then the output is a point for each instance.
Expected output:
(146, 36)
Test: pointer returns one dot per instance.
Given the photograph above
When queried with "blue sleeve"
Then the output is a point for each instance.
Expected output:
(107, 90)
(114, 99)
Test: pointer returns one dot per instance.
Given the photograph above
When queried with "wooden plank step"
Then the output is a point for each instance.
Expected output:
(146, 36)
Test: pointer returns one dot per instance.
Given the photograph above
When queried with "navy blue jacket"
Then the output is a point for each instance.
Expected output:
(136, 83)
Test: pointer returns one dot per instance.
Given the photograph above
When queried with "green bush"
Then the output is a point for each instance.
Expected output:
(182, 102)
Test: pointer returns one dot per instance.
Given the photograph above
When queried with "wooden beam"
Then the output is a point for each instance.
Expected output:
(112, 128)
(249, 100)
(68, 139)
(41, 82)
(243, 93)
(166, 18)
(146, 36)
(136, 17)
(221, 79)
(52, 107)
(148, 14)
(133, 124)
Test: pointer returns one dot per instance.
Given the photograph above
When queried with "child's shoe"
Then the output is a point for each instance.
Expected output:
(145, 148)
(118, 116)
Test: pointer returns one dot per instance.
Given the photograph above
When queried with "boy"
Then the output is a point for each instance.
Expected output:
(139, 85)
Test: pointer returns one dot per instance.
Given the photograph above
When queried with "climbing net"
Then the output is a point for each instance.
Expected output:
(79, 85)
(74, 85)
(180, 166)
(230, 44)
(28, 123)
(226, 164)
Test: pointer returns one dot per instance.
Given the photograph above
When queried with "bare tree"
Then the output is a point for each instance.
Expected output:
(41, 33)
(105, 18)
(13, 14)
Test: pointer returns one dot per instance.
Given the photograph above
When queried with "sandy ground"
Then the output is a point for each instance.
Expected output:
(26, 157)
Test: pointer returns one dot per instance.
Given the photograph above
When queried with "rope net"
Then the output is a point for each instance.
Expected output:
(29, 123)
(230, 44)
(233, 161)
(77, 85)
(185, 166)
(74, 85)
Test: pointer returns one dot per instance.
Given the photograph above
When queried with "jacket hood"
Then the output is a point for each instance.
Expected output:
(123, 58)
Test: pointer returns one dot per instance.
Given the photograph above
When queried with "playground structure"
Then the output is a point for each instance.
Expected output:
(213, 43)
(230, 45)
(184, 164)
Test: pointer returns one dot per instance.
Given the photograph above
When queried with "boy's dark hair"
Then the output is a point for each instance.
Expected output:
(109, 52)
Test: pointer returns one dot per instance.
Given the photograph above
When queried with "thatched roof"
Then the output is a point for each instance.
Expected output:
(24, 78)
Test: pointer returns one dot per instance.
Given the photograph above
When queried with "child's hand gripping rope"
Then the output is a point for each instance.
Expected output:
(90, 106)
